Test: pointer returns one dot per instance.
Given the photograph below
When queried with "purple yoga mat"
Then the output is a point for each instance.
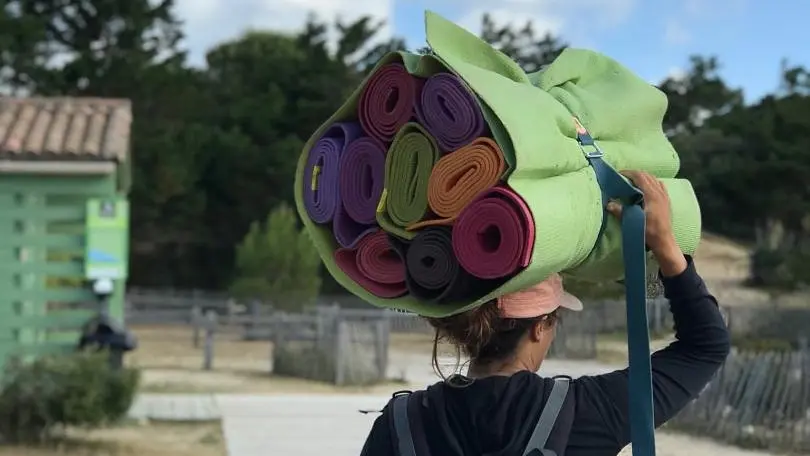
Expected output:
(349, 233)
(450, 112)
(362, 172)
(321, 195)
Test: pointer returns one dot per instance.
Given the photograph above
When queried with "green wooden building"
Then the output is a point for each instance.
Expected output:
(59, 159)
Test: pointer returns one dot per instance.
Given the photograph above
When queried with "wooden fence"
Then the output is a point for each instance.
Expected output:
(576, 336)
(335, 346)
(759, 400)
(157, 306)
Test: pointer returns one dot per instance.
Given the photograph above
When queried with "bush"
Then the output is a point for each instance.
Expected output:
(276, 262)
(81, 390)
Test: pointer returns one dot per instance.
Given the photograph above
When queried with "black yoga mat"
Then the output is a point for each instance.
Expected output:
(432, 271)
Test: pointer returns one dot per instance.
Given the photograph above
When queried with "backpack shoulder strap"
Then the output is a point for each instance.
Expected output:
(402, 426)
(548, 417)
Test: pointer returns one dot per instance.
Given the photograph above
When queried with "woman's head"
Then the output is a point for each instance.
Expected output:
(511, 333)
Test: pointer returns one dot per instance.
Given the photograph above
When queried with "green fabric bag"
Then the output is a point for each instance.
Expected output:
(531, 118)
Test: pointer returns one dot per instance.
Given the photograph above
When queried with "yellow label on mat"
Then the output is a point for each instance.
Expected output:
(316, 171)
(381, 204)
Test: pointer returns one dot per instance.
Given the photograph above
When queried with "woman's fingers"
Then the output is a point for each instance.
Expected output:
(647, 183)
(615, 209)
(640, 179)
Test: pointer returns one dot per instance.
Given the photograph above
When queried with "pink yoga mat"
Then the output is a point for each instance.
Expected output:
(494, 235)
(374, 265)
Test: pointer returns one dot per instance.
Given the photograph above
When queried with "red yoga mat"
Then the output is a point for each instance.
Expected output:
(494, 235)
(374, 265)
(388, 101)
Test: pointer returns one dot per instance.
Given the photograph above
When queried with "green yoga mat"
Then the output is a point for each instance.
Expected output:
(407, 169)
(531, 118)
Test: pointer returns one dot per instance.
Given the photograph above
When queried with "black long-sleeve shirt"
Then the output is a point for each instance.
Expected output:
(494, 416)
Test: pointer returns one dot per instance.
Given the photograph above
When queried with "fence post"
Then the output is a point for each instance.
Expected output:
(340, 351)
(210, 328)
(659, 316)
(804, 388)
(277, 337)
(196, 322)
(383, 333)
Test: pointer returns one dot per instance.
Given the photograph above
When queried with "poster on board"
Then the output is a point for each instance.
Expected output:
(106, 246)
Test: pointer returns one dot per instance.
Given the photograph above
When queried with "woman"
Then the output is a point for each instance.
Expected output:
(495, 409)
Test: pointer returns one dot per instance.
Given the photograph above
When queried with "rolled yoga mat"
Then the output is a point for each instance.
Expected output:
(493, 237)
(321, 197)
(432, 272)
(347, 232)
(408, 165)
(375, 266)
(362, 171)
(388, 101)
(459, 177)
(450, 112)
(360, 184)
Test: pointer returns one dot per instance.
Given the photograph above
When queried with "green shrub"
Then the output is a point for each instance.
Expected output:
(784, 268)
(81, 390)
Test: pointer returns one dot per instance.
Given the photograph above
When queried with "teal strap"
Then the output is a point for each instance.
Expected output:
(616, 187)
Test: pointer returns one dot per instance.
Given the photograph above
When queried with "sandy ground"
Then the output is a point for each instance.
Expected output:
(143, 439)
(724, 265)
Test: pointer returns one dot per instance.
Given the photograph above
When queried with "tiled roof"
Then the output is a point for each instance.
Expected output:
(64, 128)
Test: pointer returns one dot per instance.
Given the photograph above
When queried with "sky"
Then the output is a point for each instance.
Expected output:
(654, 38)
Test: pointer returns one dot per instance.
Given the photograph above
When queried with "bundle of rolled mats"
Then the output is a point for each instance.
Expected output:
(451, 178)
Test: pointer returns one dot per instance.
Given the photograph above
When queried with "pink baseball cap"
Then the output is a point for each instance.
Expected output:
(541, 299)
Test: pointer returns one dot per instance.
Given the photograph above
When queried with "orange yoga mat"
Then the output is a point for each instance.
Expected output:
(459, 177)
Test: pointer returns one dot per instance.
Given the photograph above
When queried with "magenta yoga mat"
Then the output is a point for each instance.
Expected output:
(388, 101)
(374, 265)
(494, 235)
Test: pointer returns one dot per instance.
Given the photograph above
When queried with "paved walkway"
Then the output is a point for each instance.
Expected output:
(308, 425)
(176, 407)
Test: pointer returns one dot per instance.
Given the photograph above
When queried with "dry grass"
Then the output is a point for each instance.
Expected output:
(146, 439)
(171, 364)
(162, 347)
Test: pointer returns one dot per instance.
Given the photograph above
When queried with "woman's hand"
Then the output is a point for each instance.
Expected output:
(658, 236)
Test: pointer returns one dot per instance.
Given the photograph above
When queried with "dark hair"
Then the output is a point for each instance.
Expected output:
(482, 334)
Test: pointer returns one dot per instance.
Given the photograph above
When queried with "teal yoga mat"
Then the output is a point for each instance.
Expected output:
(531, 118)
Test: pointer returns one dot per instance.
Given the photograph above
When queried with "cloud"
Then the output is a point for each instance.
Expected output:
(552, 16)
(471, 20)
(675, 33)
(676, 73)
(209, 22)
